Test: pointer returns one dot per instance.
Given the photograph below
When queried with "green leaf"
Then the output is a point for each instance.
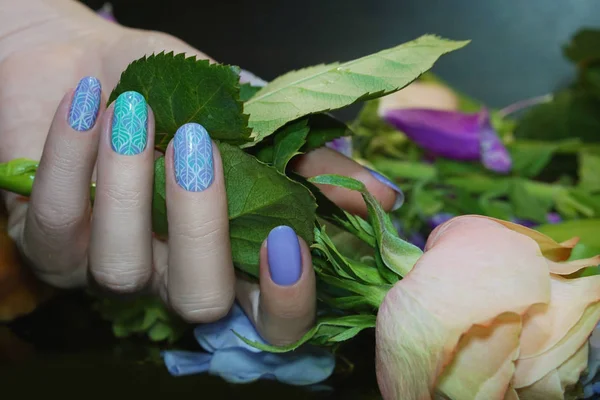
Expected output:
(356, 323)
(329, 87)
(529, 159)
(17, 175)
(288, 142)
(323, 129)
(584, 47)
(398, 255)
(247, 91)
(526, 205)
(159, 203)
(181, 90)
(571, 114)
(258, 199)
(159, 332)
(589, 171)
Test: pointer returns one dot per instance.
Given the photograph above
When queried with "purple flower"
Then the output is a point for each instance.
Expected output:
(453, 134)
(106, 12)
(342, 145)
(551, 218)
(439, 219)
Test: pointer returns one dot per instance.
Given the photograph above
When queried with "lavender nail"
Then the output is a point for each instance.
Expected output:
(85, 104)
(193, 158)
(283, 252)
(399, 194)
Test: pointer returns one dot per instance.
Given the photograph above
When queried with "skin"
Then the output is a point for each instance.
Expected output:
(46, 47)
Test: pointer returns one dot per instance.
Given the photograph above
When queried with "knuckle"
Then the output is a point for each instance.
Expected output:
(202, 309)
(54, 220)
(121, 274)
(210, 231)
(124, 197)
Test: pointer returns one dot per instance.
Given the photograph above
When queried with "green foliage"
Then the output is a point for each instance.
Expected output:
(333, 86)
(142, 316)
(181, 90)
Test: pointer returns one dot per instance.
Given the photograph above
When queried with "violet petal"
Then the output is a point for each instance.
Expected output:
(106, 12)
(494, 155)
(448, 134)
(342, 145)
(452, 134)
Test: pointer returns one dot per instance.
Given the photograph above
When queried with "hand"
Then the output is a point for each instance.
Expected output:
(47, 47)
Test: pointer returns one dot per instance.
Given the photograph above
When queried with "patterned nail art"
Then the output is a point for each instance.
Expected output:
(129, 130)
(85, 104)
(193, 161)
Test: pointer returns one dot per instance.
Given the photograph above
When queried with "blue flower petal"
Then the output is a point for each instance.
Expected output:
(237, 362)
(181, 363)
(219, 335)
(307, 367)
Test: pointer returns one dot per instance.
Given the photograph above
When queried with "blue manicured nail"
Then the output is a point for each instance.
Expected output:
(285, 260)
(193, 158)
(129, 125)
(399, 194)
(85, 104)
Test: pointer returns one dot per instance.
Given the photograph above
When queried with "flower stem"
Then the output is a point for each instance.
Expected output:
(523, 104)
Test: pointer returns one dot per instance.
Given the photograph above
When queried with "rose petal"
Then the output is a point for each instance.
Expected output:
(420, 95)
(569, 267)
(545, 325)
(550, 248)
(547, 388)
(530, 370)
(570, 371)
(511, 394)
(484, 363)
(424, 315)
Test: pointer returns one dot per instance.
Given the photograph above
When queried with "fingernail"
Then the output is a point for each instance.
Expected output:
(399, 194)
(85, 104)
(129, 125)
(193, 157)
(283, 253)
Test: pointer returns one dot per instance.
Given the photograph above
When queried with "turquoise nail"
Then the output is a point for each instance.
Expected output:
(129, 125)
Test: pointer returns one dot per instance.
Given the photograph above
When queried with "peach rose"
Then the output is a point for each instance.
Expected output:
(488, 312)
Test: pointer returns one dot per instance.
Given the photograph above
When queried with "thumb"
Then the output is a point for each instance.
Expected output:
(283, 305)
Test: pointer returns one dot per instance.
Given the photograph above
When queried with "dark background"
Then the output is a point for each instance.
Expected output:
(515, 51)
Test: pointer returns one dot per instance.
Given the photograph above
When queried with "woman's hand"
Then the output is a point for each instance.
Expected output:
(46, 47)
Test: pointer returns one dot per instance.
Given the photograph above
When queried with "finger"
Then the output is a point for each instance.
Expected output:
(327, 161)
(200, 278)
(56, 232)
(121, 239)
(285, 308)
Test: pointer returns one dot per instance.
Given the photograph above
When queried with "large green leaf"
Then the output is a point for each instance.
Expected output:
(333, 86)
(181, 90)
(258, 199)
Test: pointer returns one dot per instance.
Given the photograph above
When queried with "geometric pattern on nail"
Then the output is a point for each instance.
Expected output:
(85, 104)
(193, 158)
(129, 126)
